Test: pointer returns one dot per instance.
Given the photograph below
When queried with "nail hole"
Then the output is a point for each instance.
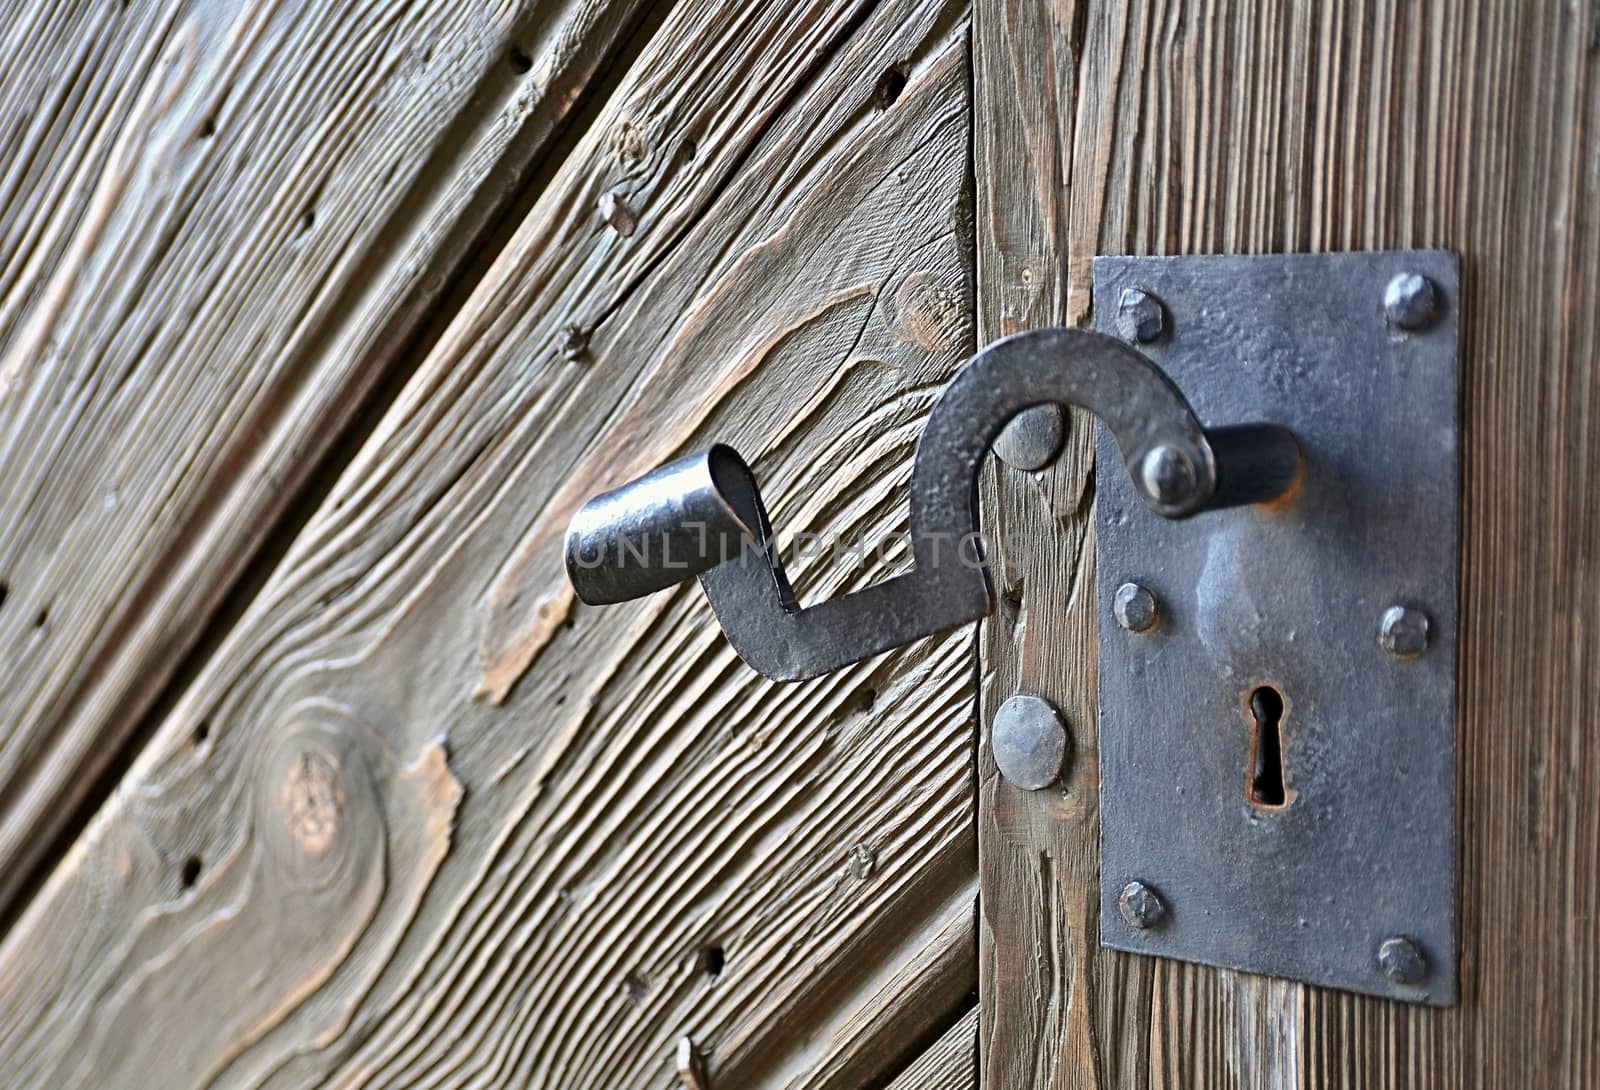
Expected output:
(711, 961)
(191, 872)
(44, 615)
(864, 698)
(1266, 751)
(520, 62)
(4, 591)
(636, 988)
(208, 128)
(202, 731)
(308, 219)
(890, 84)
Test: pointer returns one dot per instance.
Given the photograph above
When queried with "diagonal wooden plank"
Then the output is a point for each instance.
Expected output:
(1160, 127)
(931, 981)
(951, 1064)
(221, 224)
(399, 884)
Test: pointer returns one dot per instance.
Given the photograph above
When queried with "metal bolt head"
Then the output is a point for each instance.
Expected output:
(1140, 316)
(1410, 301)
(1033, 438)
(1140, 906)
(1403, 632)
(1168, 475)
(1029, 741)
(1401, 961)
(1135, 608)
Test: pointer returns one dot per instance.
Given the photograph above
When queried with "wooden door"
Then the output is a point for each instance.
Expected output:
(318, 321)
(1271, 127)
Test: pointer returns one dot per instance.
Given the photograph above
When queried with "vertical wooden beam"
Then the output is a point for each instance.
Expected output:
(1139, 126)
(948, 1065)
(1038, 955)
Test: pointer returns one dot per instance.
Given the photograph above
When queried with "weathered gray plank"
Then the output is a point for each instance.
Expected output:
(951, 1064)
(221, 223)
(1038, 853)
(933, 975)
(396, 883)
(1159, 127)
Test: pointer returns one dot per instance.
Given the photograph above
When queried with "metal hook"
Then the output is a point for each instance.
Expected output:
(702, 514)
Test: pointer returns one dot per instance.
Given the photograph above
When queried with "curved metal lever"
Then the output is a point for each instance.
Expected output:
(702, 514)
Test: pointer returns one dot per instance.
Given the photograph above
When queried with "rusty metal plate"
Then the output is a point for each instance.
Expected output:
(1313, 838)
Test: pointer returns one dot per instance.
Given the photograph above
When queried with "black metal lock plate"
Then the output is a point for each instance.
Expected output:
(1313, 838)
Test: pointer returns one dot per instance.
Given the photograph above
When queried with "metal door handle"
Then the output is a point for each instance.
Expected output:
(702, 515)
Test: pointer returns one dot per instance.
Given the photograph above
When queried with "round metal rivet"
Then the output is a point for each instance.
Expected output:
(1410, 301)
(1401, 961)
(1167, 474)
(1140, 316)
(1403, 632)
(1140, 906)
(1029, 741)
(1033, 438)
(1135, 608)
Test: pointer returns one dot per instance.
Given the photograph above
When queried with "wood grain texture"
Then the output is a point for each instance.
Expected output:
(221, 223)
(643, 841)
(1233, 127)
(951, 1064)
(935, 976)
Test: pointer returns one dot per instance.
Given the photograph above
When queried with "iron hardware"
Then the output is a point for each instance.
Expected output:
(1276, 745)
(1277, 685)
(702, 515)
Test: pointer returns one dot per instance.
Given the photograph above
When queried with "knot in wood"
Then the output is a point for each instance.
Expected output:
(928, 313)
(630, 144)
(314, 799)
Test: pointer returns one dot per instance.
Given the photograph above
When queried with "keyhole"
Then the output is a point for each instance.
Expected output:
(1266, 773)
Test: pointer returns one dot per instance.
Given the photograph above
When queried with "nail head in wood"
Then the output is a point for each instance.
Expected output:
(1033, 438)
(1029, 741)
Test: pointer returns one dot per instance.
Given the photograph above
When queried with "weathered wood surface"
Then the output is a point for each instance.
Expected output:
(951, 1064)
(1165, 128)
(222, 223)
(398, 833)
